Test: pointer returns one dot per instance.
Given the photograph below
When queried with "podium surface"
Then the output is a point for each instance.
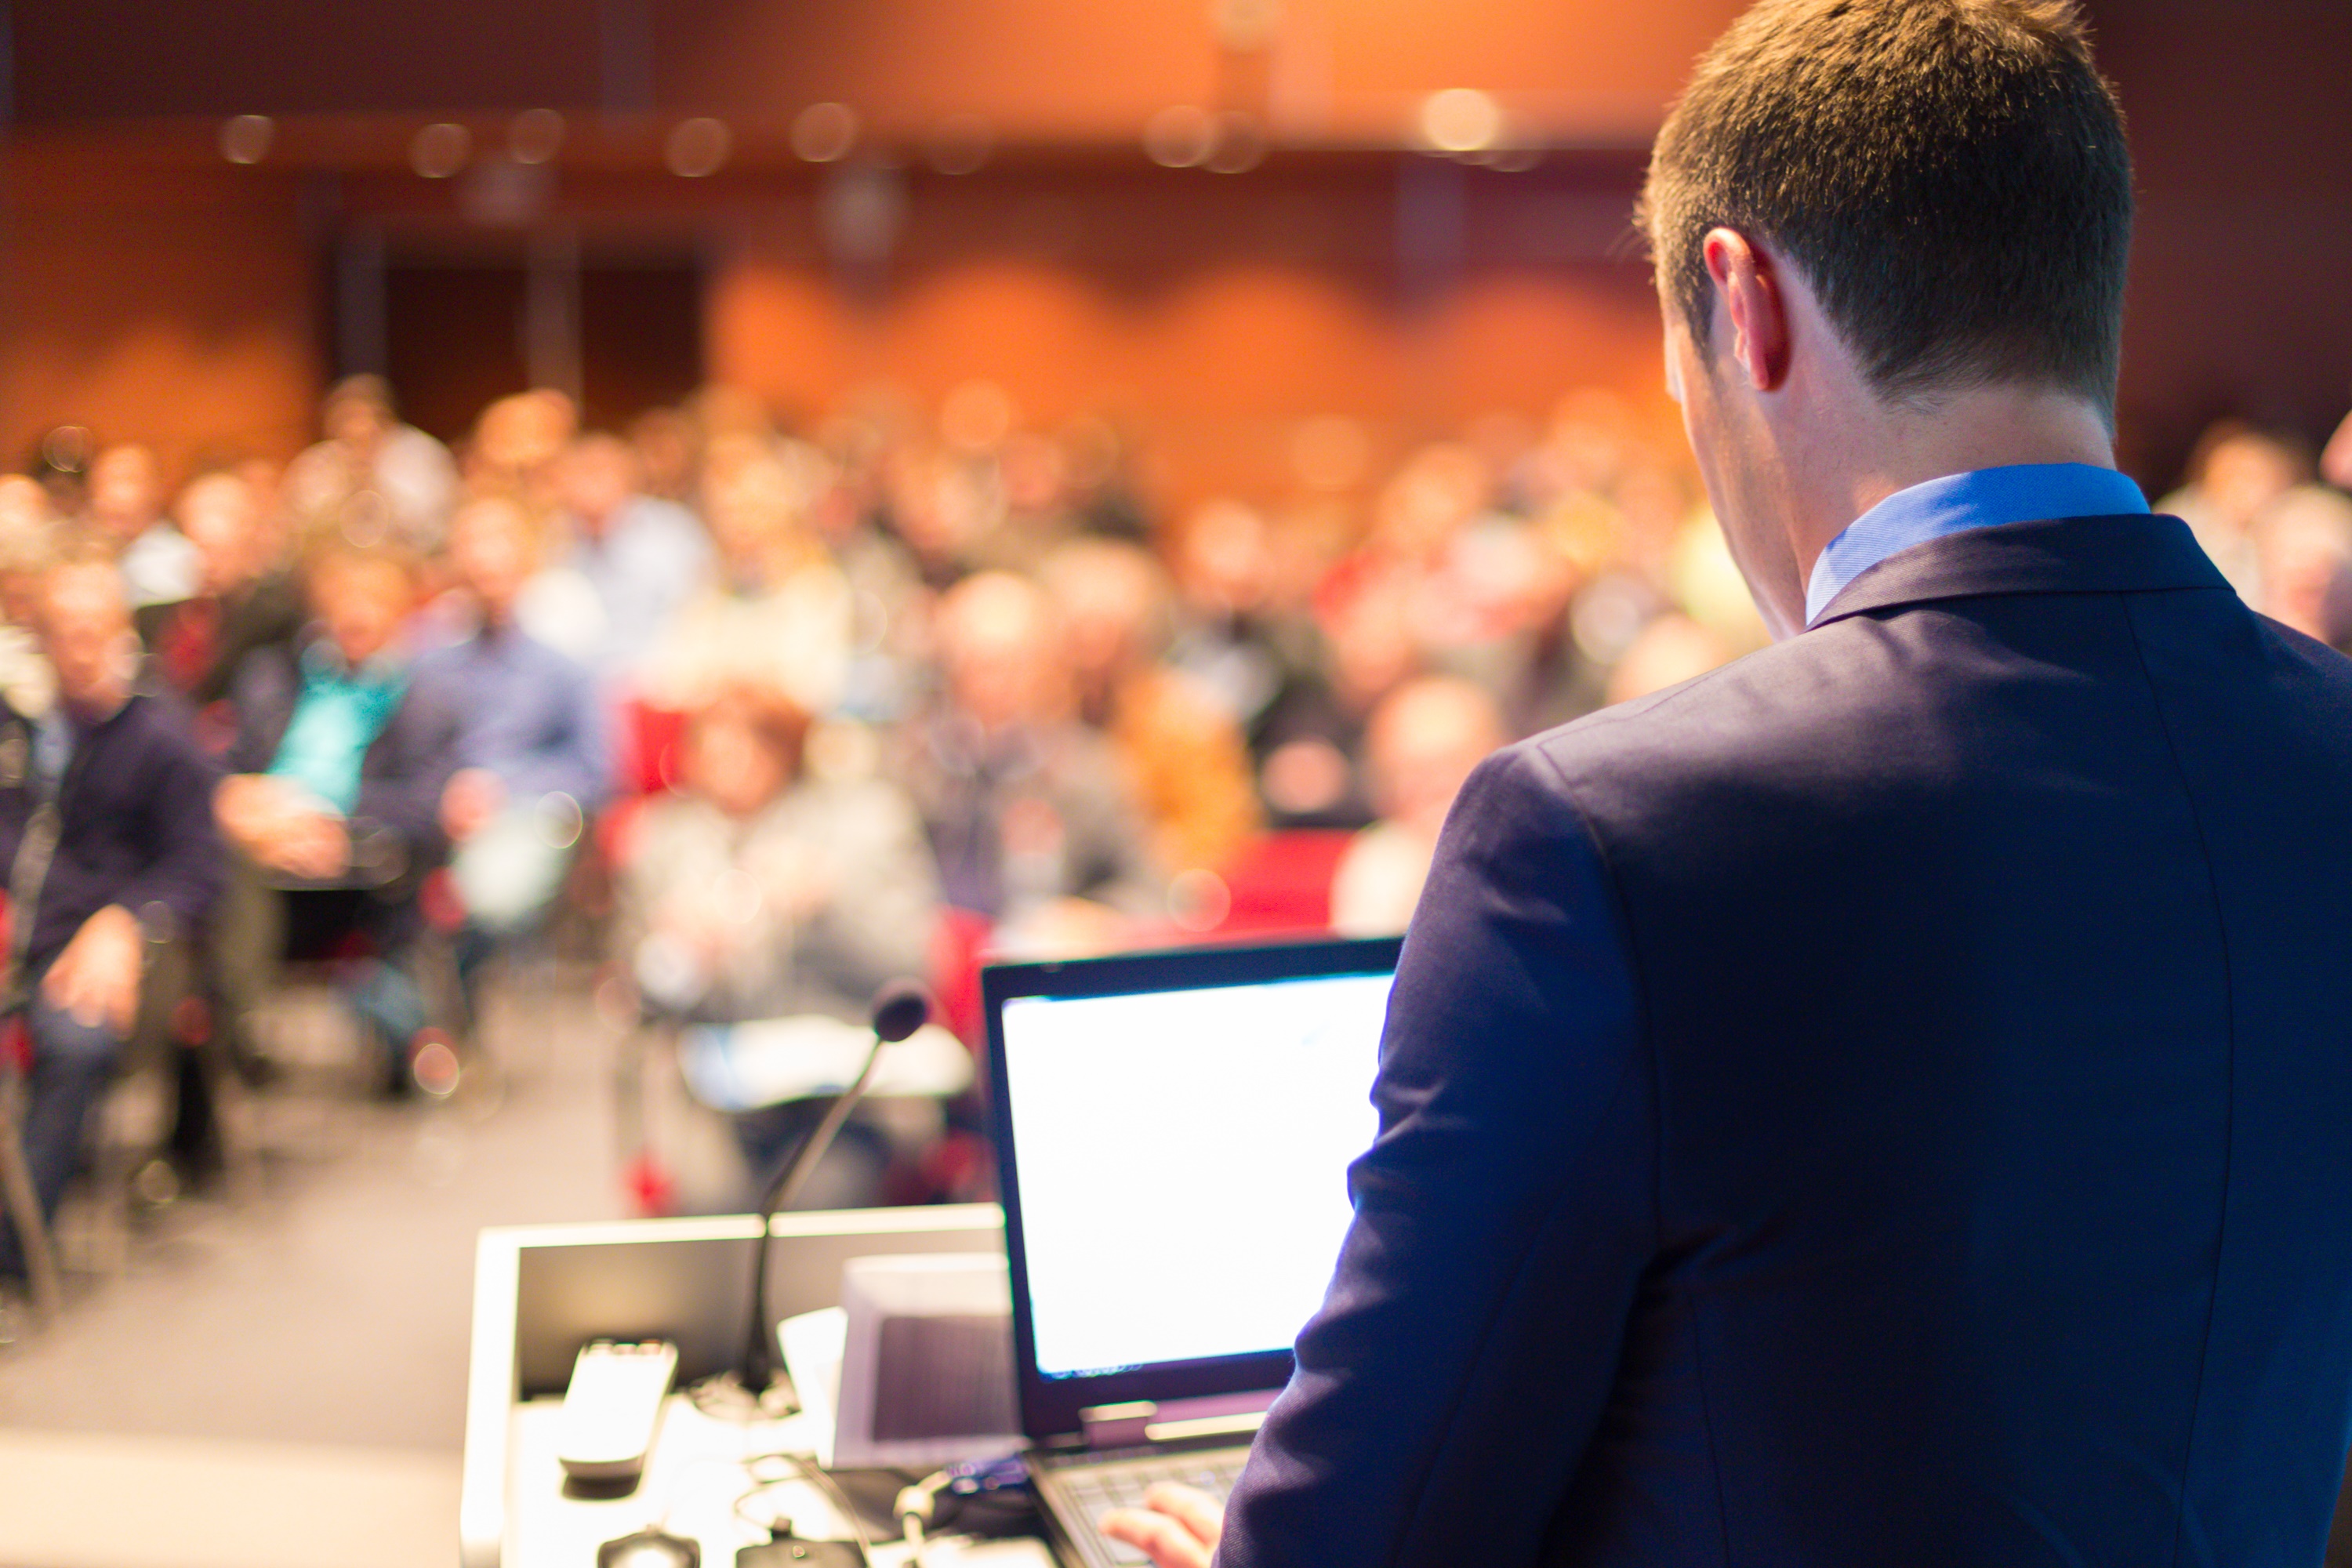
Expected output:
(543, 1291)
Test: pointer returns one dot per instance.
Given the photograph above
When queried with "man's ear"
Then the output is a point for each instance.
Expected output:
(1747, 293)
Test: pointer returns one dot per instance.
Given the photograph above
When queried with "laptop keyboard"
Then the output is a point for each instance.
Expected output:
(1095, 1488)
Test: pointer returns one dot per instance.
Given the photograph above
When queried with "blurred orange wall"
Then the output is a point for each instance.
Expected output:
(1210, 315)
(175, 304)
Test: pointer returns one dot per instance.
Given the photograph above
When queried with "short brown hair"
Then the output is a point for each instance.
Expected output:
(1950, 177)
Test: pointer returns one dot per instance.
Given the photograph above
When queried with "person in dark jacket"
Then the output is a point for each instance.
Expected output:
(333, 802)
(242, 602)
(106, 825)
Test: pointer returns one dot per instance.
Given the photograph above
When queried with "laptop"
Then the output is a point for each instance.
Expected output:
(1173, 1132)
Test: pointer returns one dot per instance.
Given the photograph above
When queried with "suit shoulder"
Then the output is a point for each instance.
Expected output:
(1715, 718)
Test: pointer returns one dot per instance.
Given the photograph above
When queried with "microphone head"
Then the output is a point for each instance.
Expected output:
(900, 1008)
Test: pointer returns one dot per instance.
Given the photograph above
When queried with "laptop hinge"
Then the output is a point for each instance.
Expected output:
(1124, 1425)
(1141, 1421)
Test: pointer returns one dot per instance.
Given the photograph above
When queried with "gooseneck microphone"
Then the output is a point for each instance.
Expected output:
(900, 1008)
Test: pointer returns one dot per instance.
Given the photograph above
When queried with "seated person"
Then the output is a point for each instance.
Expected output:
(1031, 820)
(368, 452)
(1183, 757)
(125, 507)
(1421, 744)
(28, 541)
(342, 755)
(758, 893)
(778, 611)
(630, 561)
(241, 602)
(533, 758)
(135, 858)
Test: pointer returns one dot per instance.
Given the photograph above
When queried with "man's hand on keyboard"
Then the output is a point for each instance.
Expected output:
(1177, 1526)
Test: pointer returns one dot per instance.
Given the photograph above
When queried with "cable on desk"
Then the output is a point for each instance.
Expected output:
(802, 1471)
(722, 1398)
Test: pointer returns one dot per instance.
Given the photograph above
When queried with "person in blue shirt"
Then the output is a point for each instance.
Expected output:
(534, 748)
(626, 564)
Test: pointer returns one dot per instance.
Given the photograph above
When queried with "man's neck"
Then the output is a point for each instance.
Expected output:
(1892, 449)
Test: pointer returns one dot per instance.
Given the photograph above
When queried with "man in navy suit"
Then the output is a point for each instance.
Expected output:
(1889, 1101)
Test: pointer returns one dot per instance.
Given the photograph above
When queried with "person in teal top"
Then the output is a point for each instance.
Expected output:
(333, 805)
(342, 709)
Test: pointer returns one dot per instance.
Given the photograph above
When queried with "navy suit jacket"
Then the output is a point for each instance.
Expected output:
(1885, 1103)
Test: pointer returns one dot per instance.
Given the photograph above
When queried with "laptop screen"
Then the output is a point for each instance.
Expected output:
(1181, 1142)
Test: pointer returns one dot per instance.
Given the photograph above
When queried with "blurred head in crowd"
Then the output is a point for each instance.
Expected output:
(24, 504)
(85, 625)
(667, 447)
(361, 595)
(1440, 488)
(1114, 601)
(517, 439)
(1868, 217)
(2237, 470)
(26, 525)
(1369, 632)
(358, 413)
(1421, 744)
(1224, 559)
(126, 491)
(222, 518)
(743, 748)
(1003, 652)
(493, 550)
(753, 513)
(1671, 649)
(594, 480)
(2304, 541)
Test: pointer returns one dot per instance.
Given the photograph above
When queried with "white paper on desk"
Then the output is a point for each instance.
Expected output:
(812, 1345)
(744, 1067)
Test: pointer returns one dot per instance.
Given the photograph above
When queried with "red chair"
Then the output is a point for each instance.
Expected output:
(1281, 883)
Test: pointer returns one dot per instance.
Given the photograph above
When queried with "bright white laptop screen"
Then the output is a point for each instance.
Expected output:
(1183, 1158)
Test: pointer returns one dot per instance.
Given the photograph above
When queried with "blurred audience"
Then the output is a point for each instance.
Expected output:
(2303, 558)
(534, 758)
(1423, 740)
(106, 826)
(340, 766)
(2235, 471)
(1032, 823)
(780, 614)
(125, 507)
(372, 476)
(907, 688)
(241, 602)
(757, 890)
(624, 563)
(1182, 756)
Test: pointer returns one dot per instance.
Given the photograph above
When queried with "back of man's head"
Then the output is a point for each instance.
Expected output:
(1949, 176)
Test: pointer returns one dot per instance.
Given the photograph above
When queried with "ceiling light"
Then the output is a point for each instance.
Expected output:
(534, 136)
(1460, 120)
(245, 139)
(824, 133)
(698, 147)
(440, 150)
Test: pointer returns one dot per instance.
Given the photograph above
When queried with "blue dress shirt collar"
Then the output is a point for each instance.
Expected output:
(1987, 498)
